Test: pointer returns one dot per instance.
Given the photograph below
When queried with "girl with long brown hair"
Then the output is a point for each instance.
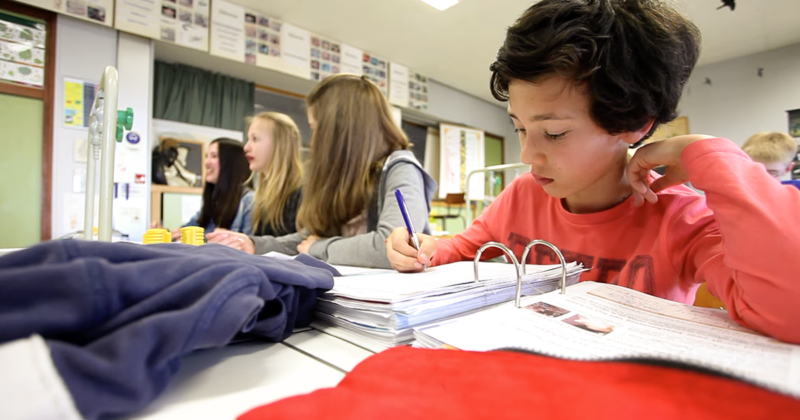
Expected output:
(359, 157)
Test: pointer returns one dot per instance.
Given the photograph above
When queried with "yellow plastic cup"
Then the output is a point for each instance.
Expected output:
(157, 236)
(193, 235)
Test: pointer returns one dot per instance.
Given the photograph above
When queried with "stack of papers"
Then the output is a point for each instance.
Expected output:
(378, 309)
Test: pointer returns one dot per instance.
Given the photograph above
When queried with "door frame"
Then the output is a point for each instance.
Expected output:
(47, 95)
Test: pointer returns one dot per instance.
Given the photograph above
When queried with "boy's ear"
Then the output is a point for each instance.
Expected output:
(631, 137)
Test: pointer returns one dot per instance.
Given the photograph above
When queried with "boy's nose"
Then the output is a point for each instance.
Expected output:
(531, 156)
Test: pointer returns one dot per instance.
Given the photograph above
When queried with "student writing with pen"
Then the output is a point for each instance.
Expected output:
(585, 80)
(412, 232)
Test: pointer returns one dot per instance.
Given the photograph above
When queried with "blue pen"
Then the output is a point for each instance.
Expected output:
(409, 225)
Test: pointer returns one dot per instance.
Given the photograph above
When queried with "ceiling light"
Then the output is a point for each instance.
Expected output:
(441, 4)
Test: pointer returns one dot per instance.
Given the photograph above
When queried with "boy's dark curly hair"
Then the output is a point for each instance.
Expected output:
(632, 57)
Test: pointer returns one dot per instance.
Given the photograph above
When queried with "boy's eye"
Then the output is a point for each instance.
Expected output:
(555, 136)
(518, 130)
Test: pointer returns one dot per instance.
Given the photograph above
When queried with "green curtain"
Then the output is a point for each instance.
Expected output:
(191, 95)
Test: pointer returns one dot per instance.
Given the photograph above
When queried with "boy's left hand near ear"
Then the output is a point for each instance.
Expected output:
(661, 153)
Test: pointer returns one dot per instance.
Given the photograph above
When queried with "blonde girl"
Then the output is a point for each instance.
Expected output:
(273, 152)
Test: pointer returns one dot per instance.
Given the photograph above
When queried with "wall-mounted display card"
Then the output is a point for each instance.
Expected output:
(398, 84)
(140, 17)
(376, 70)
(326, 57)
(181, 22)
(97, 11)
(418, 91)
(351, 60)
(21, 53)
(296, 51)
(262, 39)
(461, 151)
(22, 44)
(21, 73)
(227, 31)
(270, 43)
(78, 102)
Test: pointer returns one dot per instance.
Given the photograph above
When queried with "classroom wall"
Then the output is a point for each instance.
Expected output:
(456, 106)
(738, 103)
(83, 49)
(135, 67)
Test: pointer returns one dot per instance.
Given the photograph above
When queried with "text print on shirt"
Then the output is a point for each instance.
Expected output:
(639, 275)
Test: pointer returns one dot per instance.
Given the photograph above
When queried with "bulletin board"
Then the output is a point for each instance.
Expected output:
(461, 151)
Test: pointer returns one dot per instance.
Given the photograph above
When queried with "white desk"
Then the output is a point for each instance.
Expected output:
(332, 350)
(226, 382)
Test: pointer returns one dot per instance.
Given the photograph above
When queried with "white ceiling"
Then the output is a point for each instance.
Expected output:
(456, 46)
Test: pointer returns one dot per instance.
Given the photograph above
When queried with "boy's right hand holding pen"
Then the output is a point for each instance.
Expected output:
(402, 254)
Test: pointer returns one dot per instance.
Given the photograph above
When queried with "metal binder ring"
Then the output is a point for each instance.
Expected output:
(528, 247)
(508, 253)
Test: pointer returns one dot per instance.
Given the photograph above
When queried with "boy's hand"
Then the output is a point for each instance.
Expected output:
(232, 239)
(403, 256)
(665, 152)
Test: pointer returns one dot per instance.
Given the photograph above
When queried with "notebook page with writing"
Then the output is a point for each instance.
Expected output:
(595, 321)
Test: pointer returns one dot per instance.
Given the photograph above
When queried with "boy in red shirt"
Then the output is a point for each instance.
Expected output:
(585, 80)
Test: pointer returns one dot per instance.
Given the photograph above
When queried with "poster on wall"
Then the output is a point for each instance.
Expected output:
(262, 39)
(794, 122)
(376, 70)
(418, 91)
(181, 22)
(22, 44)
(296, 51)
(326, 57)
(398, 84)
(97, 11)
(78, 101)
(227, 31)
(461, 152)
(270, 43)
(351, 60)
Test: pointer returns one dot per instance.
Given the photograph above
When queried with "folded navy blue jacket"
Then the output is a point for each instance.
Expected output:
(117, 317)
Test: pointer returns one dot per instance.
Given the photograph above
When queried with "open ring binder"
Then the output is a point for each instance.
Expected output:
(513, 259)
(535, 242)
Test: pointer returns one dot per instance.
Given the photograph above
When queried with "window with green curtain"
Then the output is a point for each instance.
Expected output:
(196, 96)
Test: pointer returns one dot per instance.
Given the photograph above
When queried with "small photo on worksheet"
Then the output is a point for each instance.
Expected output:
(588, 324)
(547, 309)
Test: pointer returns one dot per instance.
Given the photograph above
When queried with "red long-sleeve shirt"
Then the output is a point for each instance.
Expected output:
(742, 238)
